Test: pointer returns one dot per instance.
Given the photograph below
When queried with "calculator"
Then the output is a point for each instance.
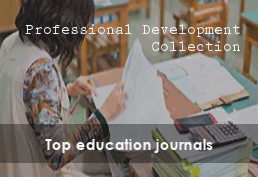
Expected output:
(218, 134)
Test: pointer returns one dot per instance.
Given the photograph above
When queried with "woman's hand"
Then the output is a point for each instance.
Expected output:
(115, 103)
(81, 86)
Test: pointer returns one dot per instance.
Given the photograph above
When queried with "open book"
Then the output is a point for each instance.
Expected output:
(202, 79)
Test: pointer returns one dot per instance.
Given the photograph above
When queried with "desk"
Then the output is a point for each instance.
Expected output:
(120, 6)
(113, 76)
(251, 38)
(145, 169)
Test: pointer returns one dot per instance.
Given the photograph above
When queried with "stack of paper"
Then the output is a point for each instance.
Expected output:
(248, 120)
(245, 116)
(145, 104)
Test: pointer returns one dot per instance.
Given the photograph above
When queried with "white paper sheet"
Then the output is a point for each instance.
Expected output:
(144, 88)
(145, 104)
(248, 120)
(197, 63)
(207, 86)
(245, 116)
(216, 83)
(171, 70)
(178, 68)
(189, 89)
(103, 93)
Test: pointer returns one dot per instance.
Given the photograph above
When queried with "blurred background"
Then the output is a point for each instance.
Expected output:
(103, 52)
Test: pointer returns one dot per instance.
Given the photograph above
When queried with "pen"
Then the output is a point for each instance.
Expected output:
(77, 101)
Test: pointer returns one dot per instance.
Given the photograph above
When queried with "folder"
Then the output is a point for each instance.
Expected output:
(177, 103)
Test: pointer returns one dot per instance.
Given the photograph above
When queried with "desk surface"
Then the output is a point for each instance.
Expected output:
(251, 17)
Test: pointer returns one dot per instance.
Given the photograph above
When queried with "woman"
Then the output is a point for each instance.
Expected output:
(34, 93)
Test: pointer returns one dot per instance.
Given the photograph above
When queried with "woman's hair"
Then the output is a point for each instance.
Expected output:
(49, 13)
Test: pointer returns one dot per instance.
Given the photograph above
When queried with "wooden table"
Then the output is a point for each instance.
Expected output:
(120, 6)
(251, 38)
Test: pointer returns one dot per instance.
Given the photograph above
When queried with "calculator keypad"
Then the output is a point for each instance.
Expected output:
(218, 134)
(225, 133)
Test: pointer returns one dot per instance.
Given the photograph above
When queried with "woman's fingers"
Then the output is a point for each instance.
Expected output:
(122, 96)
(91, 81)
(125, 94)
(120, 91)
(124, 105)
(81, 91)
(122, 101)
(115, 103)
(87, 88)
(119, 87)
(87, 92)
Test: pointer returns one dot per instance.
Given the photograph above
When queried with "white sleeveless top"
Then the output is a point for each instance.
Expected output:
(15, 59)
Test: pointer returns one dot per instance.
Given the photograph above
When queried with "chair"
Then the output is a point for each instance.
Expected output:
(140, 4)
(251, 39)
(8, 12)
(206, 14)
(242, 9)
(104, 51)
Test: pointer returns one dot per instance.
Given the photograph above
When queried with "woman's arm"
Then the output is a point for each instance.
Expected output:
(43, 106)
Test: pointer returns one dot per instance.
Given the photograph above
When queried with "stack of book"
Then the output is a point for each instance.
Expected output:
(227, 160)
